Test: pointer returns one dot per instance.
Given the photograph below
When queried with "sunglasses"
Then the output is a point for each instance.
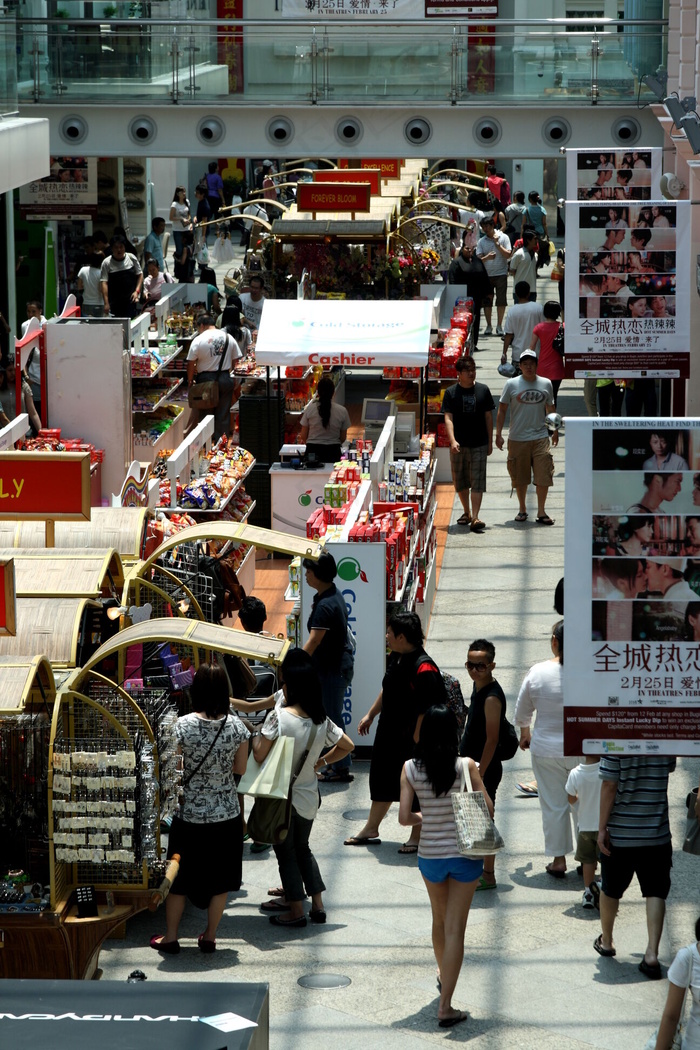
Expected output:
(475, 667)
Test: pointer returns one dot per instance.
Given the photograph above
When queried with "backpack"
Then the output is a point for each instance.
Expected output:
(507, 740)
(441, 693)
(455, 700)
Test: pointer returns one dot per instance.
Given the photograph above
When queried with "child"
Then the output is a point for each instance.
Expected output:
(583, 786)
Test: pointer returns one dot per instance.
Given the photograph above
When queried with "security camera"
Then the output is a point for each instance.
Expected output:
(626, 131)
(211, 130)
(656, 82)
(417, 131)
(690, 124)
(677, 108)
(279, 131)
(348, 129)
(142, 130)
(73, 129)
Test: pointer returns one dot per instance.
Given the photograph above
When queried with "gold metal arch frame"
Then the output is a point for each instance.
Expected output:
(266, 539)
(139, 580)
(452, 171)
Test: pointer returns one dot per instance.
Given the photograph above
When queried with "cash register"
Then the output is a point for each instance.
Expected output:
(375, 412)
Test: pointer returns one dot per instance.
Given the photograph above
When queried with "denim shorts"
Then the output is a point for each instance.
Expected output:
(461, 869)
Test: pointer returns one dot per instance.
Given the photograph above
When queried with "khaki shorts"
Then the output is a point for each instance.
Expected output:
(469, 468)
(530, 459)
(587, 847)
(499, 287)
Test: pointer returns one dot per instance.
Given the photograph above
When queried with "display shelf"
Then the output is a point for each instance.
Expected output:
(424, 608)
(161, 367)
(208, 511)
(166, 397)
(288, 596)
(171, 436)
(409, 561)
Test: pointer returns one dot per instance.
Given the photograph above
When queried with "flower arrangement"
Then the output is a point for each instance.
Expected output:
(408, 268)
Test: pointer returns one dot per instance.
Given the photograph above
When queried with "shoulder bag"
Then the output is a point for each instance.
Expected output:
(477, 835)
(270, 818)
(558, 341)
(691, 842)
(185, 780)
(206, 395)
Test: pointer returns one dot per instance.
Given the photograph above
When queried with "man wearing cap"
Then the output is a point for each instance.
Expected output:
(494, 250)
(530, 399)
(667, 578)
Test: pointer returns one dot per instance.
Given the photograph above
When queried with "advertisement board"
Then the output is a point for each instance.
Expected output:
(69, 192)
(353, 175)
(371, 333)
(376, 9)
(632, 587)
(389, 168)
(628, 269)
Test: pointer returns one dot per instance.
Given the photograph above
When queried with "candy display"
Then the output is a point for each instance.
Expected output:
(226, 465)
(52, 441)
(159, 424)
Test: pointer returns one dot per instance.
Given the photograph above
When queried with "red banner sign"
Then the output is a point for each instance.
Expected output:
(230, 43)
(346, 196)
(45, 486)
(354, 175)
(390, 169)
(7, 597)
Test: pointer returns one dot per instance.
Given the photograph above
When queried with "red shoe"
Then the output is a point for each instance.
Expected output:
(164, 947)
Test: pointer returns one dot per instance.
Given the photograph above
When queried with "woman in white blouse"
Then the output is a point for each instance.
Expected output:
(683, 974)
(542, 694)
(180, 217)
(302, 718)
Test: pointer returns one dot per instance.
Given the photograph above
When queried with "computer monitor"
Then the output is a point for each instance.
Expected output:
(376, 411)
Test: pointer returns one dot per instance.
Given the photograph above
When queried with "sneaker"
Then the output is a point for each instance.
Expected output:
(499, 330)
(587, 901)
(488, 330)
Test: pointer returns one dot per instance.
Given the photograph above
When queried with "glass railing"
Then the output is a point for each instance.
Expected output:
(558, 61)
(8, 66)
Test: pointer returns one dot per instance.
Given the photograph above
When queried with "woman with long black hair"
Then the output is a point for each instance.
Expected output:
(324, 424)
(303, 718)
(433, 775)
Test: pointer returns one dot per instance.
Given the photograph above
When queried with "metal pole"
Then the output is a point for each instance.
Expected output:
(595, 54)
(314, 68)
(11, 265)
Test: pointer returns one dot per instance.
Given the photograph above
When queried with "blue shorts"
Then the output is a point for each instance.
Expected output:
(461, 869)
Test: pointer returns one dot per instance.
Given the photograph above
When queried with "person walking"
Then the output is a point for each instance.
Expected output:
(541, 694)
(208, 832)
(210, 358)
(634, 838)
(530, 399)
(550, 363)
(493, 248)
(683, 975)
(432, 777)
(535, 215)
(520, 323)
(468, 270)
(411, 685)
(468, 407)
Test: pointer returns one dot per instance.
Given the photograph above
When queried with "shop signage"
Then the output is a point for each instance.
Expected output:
(7, 597)
(45, 486)
(375, 10)
(369, 334)
(347, 196)
(389, 168)
(354, 175)
(632, 562)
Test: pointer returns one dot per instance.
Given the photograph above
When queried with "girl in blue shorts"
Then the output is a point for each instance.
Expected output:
(450, 879)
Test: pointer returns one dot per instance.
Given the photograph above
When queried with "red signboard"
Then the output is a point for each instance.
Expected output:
(390, 169)
(355, 175)
(45, 486)
(7, 597)
(346, 196)
(230, 43)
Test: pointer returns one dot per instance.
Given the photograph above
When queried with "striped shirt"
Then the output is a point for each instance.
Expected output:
(438, 836)
(639, 815)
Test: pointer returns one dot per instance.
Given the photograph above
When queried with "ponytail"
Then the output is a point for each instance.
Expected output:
(558, 635)
(324, 393)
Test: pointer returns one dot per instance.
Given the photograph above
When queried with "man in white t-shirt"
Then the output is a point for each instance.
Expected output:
(520, 322)
(530, 398)
(212, 353)
(33, 368)
(494, 251)
(253, 301)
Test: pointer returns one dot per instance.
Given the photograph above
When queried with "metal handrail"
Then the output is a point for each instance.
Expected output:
(392, 23)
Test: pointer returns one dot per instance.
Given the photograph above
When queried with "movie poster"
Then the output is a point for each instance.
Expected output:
(69, 192)
(632, 568)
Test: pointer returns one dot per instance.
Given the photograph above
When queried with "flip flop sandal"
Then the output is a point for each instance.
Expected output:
(482, 884)
(408, 847)
(556, 873)
(274, 905)
(364, 841)
(477, 525)
(521, 516)
(464, 520)
(276, 891)
(606, 952)
(450, 1022)
(544, 519)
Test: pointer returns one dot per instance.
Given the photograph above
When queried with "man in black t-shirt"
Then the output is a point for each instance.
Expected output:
(468, 408)
(329, 647)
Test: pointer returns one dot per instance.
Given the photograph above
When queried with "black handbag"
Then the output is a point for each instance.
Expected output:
(558, 341)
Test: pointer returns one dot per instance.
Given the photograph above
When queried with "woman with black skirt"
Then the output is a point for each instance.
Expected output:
(208, 833)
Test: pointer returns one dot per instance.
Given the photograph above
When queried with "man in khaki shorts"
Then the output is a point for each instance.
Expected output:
(530, 398)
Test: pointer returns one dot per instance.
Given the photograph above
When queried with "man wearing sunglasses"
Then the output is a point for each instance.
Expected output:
(482, 731)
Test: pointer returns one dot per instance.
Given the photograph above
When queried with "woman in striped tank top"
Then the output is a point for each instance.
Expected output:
(450, 879)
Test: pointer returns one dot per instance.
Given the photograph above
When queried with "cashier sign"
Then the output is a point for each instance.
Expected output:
(45, 486)
(366, 334)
